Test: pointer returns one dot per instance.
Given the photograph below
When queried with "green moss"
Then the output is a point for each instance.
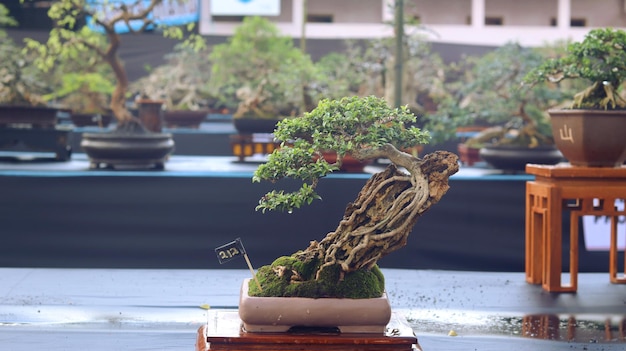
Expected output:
(361, 284)
(276, 280)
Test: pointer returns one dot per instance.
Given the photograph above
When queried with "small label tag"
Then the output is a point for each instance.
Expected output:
(230, 251)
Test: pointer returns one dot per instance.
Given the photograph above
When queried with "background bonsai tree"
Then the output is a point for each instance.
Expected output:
(263, 70)
(378, 222)
(492, 93)
(21, 82)
(449, 115)
(599, 60)
(5, 20)
(338, 74)
(367, 68)
(66, 41)
(183, 82)
(83, 84)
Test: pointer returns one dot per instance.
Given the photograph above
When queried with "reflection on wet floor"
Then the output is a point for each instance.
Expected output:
(581, 328)
(571, 328)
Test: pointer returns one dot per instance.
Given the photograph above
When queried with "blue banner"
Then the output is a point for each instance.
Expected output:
(167, 13)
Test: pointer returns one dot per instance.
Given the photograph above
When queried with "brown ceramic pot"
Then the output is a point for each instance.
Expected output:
(184, 118)
(590, 138)
(279, 314)
(117, 149)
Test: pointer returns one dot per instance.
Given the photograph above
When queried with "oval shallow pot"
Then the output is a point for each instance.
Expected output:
(184, 118)
(515, 157)
(279, 314)
(37, 116)
(590, 138)
(250, 125)
(130, 150)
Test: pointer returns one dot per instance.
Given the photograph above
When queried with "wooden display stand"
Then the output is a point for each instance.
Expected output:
(223, 331)
(246, 145)
(54, 139)
(581, 191)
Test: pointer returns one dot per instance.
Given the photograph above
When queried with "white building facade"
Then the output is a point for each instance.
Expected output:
(469, 22)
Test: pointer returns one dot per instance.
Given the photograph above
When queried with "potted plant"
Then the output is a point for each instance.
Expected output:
(182, 83)
(517, 129)
(89, 103)
(130, 144)
(27, 121)
(263, 71)
(590, 132)
(83, 88)
(22, 85)
(343, 264)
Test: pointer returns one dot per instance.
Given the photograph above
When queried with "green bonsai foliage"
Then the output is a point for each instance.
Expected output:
(366, 128)
(600, 60)
(183, 82)
(263, 70)
(367, 68)
(449, 114)
(5, 20)
(337, 75)
(84, 84)
(493, 94)
(87, 92)
(67, 42)
(21, 82)
(378, 222)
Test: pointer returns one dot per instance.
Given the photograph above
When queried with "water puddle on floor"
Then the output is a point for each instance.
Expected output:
(579, 328)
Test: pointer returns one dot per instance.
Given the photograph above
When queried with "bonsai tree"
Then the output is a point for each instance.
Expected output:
(367, 68)
(5, 20)
(182, 82)
(449, 115)
(21, 82)
(84, 85)
(599, 60)
(87, 93)
(338, 74)
(493, 94)
(262, 70)
(590, 133)
(378, 222)
(66, 41)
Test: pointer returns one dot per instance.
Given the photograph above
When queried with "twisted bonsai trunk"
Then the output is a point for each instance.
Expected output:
(126, 122)
(380, 220)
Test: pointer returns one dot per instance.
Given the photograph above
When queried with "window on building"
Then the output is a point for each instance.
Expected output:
(574, 22)
(319, 18)
(494, 21)
(227, 18)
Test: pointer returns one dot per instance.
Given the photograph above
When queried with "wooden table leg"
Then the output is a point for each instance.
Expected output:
(536, 227)
(573, 250)
(553, 246)
(613, 256)
(532, 275)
